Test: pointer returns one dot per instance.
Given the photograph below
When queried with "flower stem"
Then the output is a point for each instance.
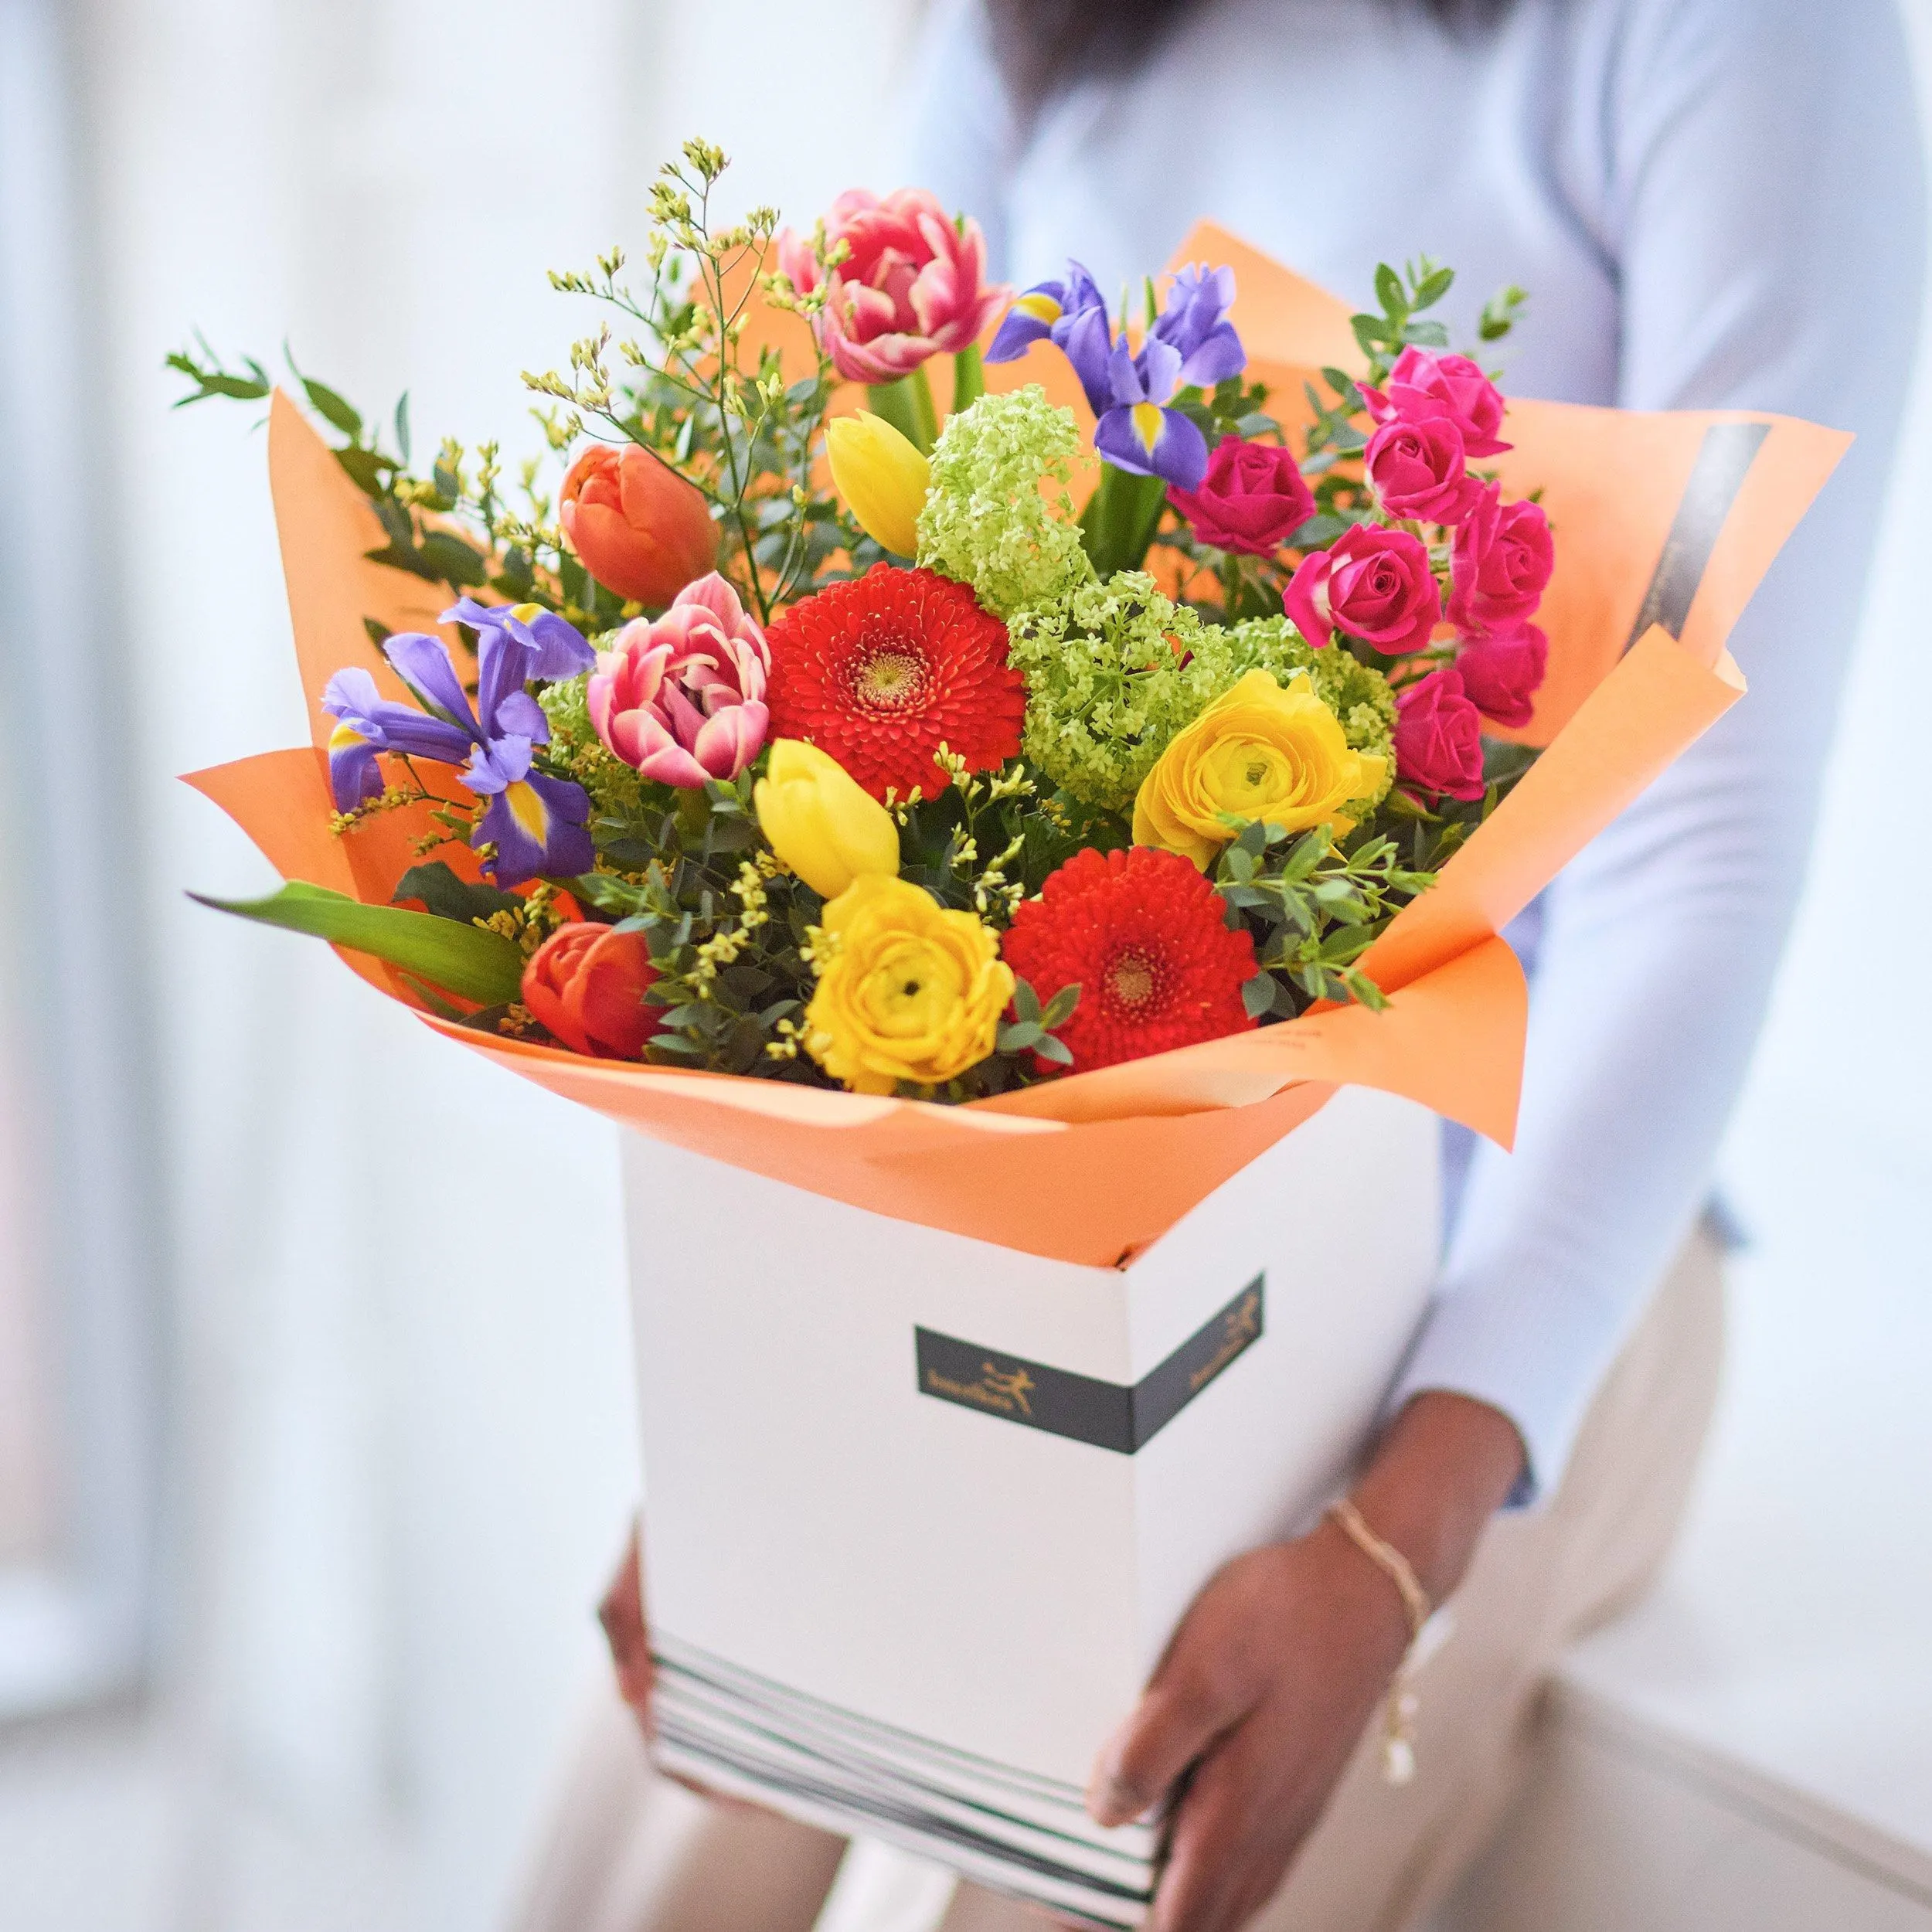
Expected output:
(1118, 524)
(969, 378)
(907, 405)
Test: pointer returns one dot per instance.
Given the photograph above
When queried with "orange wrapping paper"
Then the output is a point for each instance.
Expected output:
(1650, 524)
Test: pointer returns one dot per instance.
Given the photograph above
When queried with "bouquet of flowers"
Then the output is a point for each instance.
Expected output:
(854, 754)
(1014, 798)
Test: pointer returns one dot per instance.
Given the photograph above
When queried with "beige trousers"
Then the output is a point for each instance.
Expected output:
(627, 1852)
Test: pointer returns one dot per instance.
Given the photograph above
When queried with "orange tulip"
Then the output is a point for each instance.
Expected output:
(586, 983)
(636, 524)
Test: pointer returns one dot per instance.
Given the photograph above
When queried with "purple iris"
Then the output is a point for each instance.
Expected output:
(1191, 344)
(1195, 323)
(537, 823)
(1049, 312)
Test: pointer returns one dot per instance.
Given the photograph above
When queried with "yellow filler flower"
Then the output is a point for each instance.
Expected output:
(822, 821)
(882, 477)
(1258, 752)
(907, 990)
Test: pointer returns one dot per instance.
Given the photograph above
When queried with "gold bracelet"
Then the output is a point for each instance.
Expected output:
(1399, 1730)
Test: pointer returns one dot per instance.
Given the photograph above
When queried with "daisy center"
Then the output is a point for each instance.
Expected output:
(1133, 978)
(890, 678)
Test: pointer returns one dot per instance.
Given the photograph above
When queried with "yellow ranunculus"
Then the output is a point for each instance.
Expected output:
(882, 477)
(817, 817)
(910, 992)
(1256, 752)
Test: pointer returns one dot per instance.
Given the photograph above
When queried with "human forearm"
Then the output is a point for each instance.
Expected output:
(1443, 1468)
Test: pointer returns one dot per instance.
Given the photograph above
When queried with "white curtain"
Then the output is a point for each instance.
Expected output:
(404, 1455)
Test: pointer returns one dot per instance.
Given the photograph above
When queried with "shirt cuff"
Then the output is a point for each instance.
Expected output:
(1535, 1356)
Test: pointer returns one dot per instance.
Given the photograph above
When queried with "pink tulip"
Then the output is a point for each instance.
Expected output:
(912, 287)
(681, 697)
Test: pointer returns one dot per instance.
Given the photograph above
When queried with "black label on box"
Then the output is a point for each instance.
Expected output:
(1110, 1415)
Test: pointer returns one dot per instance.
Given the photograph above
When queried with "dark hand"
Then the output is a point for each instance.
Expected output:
(1266, 1687)
(625, 1630)
(621, 1614)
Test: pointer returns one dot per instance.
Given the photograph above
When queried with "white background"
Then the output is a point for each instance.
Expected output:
(401, 1448)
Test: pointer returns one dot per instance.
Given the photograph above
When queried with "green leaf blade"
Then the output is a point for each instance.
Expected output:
(461, 959)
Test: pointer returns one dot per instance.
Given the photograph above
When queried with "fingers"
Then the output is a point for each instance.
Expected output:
(621, 1614)
(1232, 1838)
(1201, 1690)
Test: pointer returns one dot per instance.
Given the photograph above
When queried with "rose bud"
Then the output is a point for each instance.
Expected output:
(586, 984)
(636, 524)
(822, 821)
(1504, 558)
(1424, 384)
(1421, 470)
(1252, 499)
(1376, 585)
(1438, 737)
(1502, 674)
(882, 476)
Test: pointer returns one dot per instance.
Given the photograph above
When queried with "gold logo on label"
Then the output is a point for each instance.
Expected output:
(1241, 1326)
(1005, 1390)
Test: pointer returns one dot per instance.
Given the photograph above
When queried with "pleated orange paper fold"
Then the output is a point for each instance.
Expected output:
(1091, 1167)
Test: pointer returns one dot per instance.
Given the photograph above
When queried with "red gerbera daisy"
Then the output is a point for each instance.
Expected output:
(1141, 932)
(882, 671)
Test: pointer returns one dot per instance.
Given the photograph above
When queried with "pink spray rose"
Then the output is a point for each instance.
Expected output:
(682, 697)
(1438, 737)
(1421, 470)
(913, 287)
(1503, 674)
(1424, 385)
(1374, 583)
(1504, 558)
(1253, 498)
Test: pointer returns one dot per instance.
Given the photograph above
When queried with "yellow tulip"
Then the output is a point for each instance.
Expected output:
(908, 991)
(1258, 752)
(818, 819)
(882, 477)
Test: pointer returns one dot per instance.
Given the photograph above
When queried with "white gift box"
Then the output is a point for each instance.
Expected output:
(922, 1512)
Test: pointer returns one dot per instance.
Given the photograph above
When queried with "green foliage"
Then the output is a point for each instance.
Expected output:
(987, 522)
(688, 388)
(461, 958)
(453, 527)
(1314, 908)
(1404, 297)
(1502, 313)
(1032, 1029)
(449, 897)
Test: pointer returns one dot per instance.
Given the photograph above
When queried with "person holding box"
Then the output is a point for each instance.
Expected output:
(1717, 204)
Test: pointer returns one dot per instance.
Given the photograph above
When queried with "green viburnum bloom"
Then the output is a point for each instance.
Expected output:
(1358, 695)
(1113, 672)
(986, 522)
(576, 751)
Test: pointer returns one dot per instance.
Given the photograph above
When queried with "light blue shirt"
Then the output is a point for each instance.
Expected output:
(1715, 204)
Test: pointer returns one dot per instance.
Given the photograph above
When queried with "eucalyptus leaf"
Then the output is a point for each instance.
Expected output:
(448, 896)
(1061, 1008)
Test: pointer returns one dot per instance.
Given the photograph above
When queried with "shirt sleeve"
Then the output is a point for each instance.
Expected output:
(958, 134)
(1762, 203)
